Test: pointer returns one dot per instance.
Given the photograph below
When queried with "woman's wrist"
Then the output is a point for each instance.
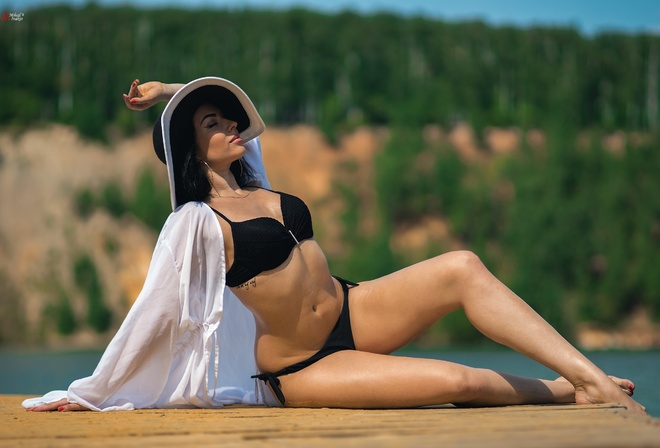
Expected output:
(170, 89)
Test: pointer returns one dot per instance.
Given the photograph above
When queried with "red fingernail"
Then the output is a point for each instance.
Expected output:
(61, 408)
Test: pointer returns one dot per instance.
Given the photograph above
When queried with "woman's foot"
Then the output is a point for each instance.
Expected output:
(626, 385)
(609, 390)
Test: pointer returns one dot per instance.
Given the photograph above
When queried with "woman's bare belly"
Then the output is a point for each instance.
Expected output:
(295, 307)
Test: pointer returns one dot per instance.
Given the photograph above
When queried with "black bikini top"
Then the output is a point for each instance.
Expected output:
(261, 244)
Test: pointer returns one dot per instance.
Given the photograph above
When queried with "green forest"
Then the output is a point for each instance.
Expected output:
(334, 71)
(580, 237)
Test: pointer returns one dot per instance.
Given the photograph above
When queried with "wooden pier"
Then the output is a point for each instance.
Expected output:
(245, 427)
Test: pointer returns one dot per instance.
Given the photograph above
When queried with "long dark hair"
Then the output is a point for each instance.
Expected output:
(194, 182)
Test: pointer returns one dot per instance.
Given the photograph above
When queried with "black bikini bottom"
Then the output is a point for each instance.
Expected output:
(341, 338)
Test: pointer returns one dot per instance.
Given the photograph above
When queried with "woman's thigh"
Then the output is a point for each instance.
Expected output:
(389, 312)
(355, 379)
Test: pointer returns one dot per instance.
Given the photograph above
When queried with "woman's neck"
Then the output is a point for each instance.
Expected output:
(224, 184)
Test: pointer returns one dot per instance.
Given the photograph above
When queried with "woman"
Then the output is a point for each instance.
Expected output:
(321, 341)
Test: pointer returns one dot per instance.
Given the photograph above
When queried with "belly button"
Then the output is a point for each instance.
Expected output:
(314, 307)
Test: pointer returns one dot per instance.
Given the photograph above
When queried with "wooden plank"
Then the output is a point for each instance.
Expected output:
(233, 426)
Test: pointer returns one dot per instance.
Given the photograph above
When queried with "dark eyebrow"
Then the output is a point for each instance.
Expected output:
(213, 114)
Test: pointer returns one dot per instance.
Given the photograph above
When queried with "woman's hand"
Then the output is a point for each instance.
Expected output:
(143, 96)
(62, 405)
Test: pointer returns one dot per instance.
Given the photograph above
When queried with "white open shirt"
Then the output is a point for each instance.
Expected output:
(187, 341)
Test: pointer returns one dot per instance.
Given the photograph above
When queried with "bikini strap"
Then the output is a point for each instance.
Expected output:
(345, 283)
(274, 382)
(221, 215)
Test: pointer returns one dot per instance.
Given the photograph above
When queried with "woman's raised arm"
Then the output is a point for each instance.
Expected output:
(143, 96)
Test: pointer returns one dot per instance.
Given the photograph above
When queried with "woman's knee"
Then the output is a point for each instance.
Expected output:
(465, 259)
(463, 266)
(462, 385)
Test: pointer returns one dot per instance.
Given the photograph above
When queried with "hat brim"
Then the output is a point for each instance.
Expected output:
(170, 129)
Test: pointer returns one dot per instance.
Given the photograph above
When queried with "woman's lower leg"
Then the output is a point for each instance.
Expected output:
(491, 388)
(505, 318)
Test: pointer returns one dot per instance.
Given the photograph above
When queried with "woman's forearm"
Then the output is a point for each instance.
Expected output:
(170, 89)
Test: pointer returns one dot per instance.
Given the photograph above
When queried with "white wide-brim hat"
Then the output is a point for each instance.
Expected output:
(173, 132)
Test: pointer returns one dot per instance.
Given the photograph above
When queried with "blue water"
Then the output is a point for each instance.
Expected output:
(35, 373)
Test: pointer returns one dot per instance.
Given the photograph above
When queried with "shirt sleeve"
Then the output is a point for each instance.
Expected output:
(253, 157)
(134, 369)
(166, 352)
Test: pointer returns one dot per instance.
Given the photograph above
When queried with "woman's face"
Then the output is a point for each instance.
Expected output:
(216, 138)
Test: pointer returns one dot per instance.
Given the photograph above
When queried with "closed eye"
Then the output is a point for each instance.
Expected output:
(211, 115)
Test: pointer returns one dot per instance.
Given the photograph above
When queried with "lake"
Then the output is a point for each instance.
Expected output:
(37, 372)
